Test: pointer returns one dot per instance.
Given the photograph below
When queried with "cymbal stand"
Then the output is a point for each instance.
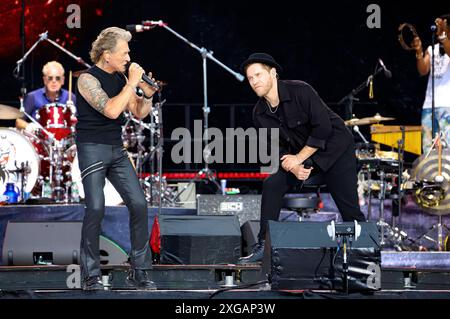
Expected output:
(400, 152)
(388, 234)
(438, 143)
(23, 170)
(59, 193)
(55, 146)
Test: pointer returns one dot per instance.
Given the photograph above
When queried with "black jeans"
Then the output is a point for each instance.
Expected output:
(97, 162)
(341, 181)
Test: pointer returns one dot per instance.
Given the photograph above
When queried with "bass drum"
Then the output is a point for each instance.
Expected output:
(16, 149)
(112, 197)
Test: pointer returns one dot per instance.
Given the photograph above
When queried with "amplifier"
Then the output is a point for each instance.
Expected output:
(245, 207)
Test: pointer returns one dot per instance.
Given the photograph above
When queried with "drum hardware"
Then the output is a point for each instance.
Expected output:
(387, 165)
(431, 172)
(53, 182)
(155, 188)
(388, 234)
(367, 120)
(23, 170)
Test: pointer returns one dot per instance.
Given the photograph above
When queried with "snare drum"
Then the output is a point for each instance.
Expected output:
(58, 119)
(15, 149)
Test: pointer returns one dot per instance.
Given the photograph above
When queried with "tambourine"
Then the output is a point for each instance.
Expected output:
(400, 35)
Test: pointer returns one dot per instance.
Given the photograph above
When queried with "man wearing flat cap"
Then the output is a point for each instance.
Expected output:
(308, 129)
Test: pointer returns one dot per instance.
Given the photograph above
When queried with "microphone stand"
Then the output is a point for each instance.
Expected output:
(20, 62)
(42, 37)
(205, 54)
(433, 110)
(23, 90)
(351, 96)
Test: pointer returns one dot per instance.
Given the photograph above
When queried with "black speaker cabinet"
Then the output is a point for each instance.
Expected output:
(199, 240)
(249, 231)
(56, 243)
(301, 255)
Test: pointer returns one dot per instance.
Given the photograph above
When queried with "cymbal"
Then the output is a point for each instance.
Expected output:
(368, 120)
(357, 121)
(9, 113)
(379, 118)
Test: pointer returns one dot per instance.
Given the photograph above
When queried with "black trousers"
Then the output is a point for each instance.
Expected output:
(97, 162)
(341, 181)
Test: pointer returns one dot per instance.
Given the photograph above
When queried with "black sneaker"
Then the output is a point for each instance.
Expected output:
(138, 278)
(92, 283)
(255, 257)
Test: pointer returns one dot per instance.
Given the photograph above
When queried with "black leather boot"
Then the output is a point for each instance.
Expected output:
(92, 283)
(138, 278)
(256, 256)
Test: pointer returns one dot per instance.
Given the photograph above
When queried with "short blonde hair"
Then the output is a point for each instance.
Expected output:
(53, 64)
(107, 41)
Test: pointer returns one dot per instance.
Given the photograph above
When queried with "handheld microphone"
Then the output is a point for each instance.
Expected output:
(158, 23)
(387, 73)
(137, 27)
(433, 27)
(308, 163)
(145, 78)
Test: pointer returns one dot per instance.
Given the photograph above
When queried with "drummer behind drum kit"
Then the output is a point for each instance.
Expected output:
(39, 163)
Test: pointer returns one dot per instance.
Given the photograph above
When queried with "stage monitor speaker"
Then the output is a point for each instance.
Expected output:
(56, 243)
(249, 231)
(199, 240)
(245, 207)
(301, 255)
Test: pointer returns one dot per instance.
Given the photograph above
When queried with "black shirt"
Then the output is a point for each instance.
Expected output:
(93, 126)
(304, 119)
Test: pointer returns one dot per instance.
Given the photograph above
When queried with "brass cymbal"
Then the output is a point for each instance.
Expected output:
(368, 120)
(357, 121)
(9, 113)
(379, 118)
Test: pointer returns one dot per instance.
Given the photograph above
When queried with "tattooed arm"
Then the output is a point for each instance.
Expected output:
(91, 90)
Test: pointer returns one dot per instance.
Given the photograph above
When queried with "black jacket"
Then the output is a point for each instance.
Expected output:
(304, 119)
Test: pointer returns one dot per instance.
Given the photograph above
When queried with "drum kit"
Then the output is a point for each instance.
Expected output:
(42, 155)
(382, 174)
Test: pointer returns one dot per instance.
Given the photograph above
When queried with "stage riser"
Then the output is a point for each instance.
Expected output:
(172, 279)
(203, 279)
(418, 260)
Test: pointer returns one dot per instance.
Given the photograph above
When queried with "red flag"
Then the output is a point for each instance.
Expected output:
(155, 237)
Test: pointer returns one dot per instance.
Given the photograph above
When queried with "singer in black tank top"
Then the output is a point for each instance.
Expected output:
(103, 94)
(92, 126)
